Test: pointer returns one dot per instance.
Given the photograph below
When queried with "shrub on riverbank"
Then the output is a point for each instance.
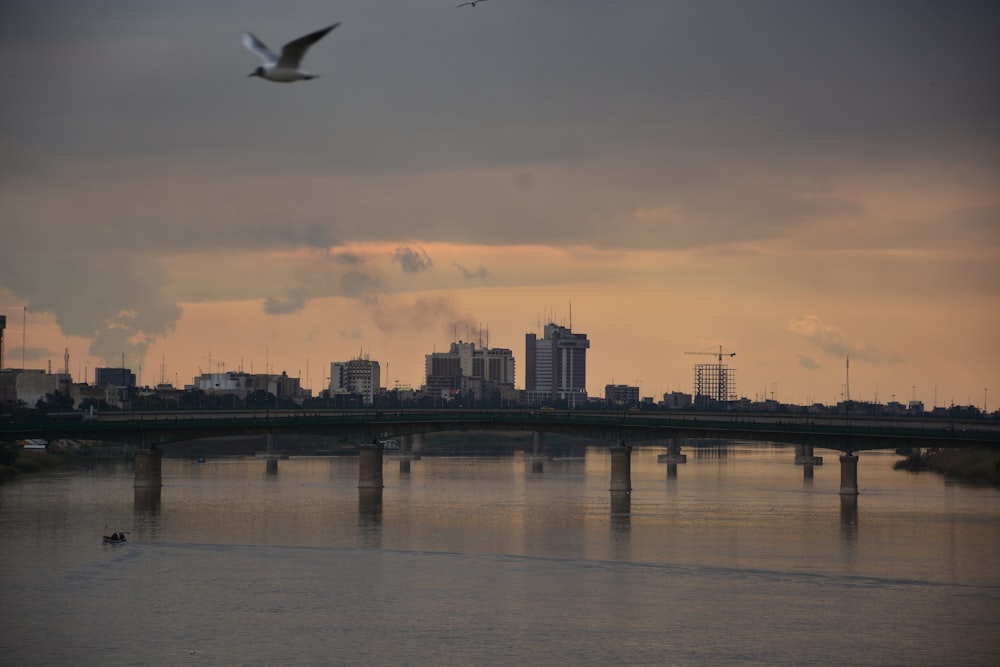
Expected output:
(27, 462)
(970, 465)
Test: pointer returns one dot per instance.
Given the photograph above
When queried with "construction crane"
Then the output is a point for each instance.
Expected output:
(720, 354)
(714, 381)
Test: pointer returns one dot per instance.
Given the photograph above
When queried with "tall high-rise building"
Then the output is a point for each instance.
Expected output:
(555, 367)
(357, 376)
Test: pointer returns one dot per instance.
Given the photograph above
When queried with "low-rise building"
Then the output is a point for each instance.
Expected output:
(621, 395)
(676, 400)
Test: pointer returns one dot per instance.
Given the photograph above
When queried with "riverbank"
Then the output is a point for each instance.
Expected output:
(969, 465)
(28, 462)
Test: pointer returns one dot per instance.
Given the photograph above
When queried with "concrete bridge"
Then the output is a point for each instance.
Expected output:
(847, 435)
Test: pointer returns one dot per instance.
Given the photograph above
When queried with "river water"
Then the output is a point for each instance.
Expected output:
(740, 558)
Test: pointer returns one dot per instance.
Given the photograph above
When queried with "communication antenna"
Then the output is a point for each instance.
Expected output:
(847, 387)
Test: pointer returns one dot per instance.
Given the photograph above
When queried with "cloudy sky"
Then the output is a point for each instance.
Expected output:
(797, 181)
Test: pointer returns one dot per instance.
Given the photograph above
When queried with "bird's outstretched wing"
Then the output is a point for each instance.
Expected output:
(254, 45)
(292, 53)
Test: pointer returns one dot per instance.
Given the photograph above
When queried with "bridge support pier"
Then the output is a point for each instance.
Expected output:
(621, 469)
(370, 466)
(673, 455)
(849, 475)
(271, 454)
(148, 469)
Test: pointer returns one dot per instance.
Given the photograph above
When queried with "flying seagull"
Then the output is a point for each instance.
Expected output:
(472, 2)
(285, 69)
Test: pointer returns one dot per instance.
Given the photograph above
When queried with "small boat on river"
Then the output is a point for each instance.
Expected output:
(114, 538)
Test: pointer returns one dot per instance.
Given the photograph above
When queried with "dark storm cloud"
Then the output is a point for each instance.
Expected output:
(412, 261)
(583, 79)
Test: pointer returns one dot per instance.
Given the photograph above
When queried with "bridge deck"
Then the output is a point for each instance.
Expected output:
(831, 432)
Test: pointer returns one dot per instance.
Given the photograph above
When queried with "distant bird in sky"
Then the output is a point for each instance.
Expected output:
(285, 69)
(471, 2)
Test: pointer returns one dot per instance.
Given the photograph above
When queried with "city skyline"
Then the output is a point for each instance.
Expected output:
(796, 182)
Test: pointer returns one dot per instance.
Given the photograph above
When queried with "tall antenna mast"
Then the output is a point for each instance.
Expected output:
(571, 314)
(847, 387)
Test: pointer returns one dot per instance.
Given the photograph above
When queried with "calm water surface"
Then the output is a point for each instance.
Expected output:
(738, 559)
